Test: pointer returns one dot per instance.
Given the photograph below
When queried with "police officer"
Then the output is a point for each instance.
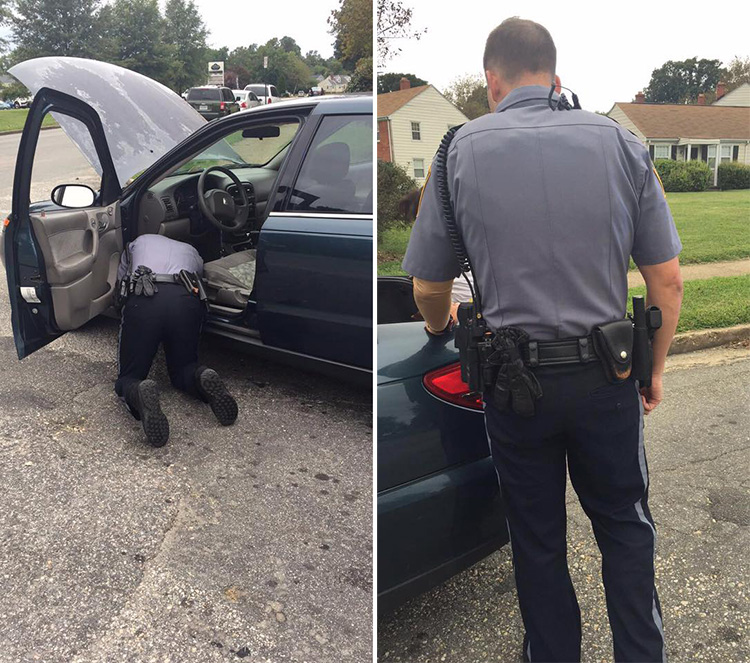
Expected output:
(161, 278)
(550, 204)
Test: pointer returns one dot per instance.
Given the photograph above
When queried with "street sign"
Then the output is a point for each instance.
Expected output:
(265, 62)
(216, 73)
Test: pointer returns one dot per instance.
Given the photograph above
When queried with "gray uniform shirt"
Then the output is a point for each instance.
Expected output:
(550, 205)
(161, 254)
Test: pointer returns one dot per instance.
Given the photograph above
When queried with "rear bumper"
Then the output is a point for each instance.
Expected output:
(433, 528)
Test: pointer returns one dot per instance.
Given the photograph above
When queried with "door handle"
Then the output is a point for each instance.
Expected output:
(94, 238)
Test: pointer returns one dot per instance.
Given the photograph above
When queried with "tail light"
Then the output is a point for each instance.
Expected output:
(446, 384)
(222, 106)
(268, 100)
(243, 105)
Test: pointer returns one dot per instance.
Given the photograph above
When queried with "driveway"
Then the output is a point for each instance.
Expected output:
(249, 542)
(697, 443)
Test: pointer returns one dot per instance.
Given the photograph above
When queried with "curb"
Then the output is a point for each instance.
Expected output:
(20, 131)
(708, 338)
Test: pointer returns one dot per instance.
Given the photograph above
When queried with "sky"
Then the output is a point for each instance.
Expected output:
(606, 51)
(243, 22)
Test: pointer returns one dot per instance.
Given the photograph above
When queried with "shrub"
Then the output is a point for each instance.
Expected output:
(683, 175)
(734, 175)
(393, 184)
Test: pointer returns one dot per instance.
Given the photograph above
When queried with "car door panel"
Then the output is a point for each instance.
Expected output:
(61, 263)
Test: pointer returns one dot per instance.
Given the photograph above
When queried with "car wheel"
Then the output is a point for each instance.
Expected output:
(16, 104)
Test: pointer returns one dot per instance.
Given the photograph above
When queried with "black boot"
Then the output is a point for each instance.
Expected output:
(143, 401)
(212, 389)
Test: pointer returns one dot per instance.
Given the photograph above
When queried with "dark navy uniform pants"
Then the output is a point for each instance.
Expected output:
(173, 317)
(597, 429)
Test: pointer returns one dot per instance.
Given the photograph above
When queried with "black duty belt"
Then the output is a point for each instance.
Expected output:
(557, 353)
(166, 278)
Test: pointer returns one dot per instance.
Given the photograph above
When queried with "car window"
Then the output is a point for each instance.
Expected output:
(58, 160)
(251, 96)
(204, 94)
(238, 151)
(257, 89)
(273, 91)
(228, 96)
(336, 175)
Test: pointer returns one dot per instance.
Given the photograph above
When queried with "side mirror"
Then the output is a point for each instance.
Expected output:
(73, 195)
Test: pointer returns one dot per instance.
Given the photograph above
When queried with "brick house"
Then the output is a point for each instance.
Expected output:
(411, 123)
(713, 133)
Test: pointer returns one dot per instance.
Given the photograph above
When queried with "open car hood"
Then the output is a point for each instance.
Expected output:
(142, 119)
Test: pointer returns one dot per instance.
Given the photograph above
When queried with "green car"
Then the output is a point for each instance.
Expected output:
(212, 101)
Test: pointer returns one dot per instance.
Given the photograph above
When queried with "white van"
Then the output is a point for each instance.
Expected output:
(266, 93)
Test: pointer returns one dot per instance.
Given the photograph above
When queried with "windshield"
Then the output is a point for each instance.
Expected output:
(204, 94)
(238, 151)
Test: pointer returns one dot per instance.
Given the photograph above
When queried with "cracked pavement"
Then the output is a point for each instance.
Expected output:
(249, 542)
(698, 446)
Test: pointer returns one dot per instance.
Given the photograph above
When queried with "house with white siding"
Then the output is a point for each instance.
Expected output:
(411, 123)
(711, 133)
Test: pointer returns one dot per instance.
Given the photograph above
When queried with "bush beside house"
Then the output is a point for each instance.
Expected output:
(393, 184)
(683, 175)
(733, 175)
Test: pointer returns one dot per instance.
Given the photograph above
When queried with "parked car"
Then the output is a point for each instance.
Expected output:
(5, 105)
(278, 202)
(212, 102)
(23, 102)
(246, 99)
(439, 507)
(266, 93)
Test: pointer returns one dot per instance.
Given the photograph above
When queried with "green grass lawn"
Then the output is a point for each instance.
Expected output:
(719, 302)
(713, 226)
(13, 120)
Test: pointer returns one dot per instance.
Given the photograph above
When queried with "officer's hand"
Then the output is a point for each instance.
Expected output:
(651, 396)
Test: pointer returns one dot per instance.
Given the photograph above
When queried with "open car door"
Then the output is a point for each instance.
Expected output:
(61, 262)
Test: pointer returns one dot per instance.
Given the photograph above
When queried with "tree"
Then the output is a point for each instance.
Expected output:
(53, 27)
(361, 80)
(736, 73)
(186, 34)
(392, 82)
(351, 24)
(289, 45)
(469, 94)
(394, 22)
(137, 33)
(680, 82)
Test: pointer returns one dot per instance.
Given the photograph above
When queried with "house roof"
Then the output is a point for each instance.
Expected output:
(689, 121)
(390, 102)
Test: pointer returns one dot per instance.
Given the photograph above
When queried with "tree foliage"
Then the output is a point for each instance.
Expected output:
(680, 82)
(361, 80)
(53, 27)
(736, 73)
(392, 82)
(351, 24)
(186, 34)
(469, 94)
(394, 22)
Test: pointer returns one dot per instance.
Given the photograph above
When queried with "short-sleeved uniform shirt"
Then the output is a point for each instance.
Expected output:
(550, 205)
(161, 255)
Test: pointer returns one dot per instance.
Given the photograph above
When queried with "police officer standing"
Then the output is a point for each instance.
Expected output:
(164, 304)
(550, 202)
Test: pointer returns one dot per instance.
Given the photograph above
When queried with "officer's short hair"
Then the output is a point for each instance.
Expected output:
(518, 46)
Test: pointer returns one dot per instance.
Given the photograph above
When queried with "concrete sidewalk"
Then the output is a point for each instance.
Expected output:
(706, 270)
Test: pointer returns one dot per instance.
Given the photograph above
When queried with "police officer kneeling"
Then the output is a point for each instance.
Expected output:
(545, 203)
(163, 302)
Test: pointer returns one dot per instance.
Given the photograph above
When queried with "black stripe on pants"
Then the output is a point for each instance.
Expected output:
(597, 428)
(173, 317)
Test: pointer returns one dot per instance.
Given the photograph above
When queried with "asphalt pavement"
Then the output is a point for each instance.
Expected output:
(57, 161)
(250, 542)
(698, 446)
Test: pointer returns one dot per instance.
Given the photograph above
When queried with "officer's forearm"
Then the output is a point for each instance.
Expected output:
(668, 297)
(433, 299)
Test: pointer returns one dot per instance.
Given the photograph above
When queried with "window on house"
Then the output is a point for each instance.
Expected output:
(415, 134)
(378, 132)
(711, 156)
(418, 168)
(727, 153)
(662, 152)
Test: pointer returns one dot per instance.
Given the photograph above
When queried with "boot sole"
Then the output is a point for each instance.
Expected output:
(154, 421)
(221, 401)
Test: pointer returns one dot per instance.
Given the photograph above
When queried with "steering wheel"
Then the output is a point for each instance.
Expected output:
(219, 207)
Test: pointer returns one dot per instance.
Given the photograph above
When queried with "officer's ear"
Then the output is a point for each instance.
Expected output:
(494, 89)
(558, 85)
